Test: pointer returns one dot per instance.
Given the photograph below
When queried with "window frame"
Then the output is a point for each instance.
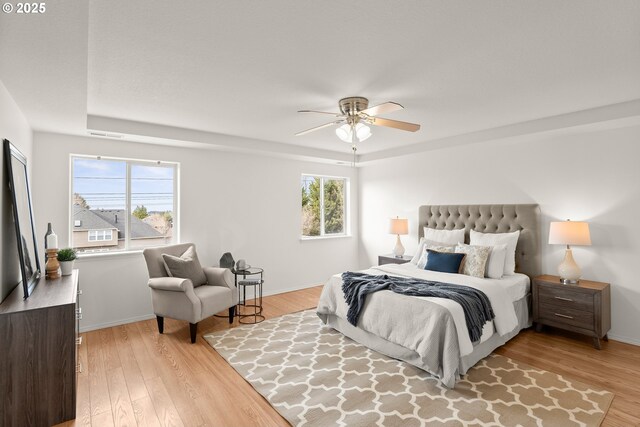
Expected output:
(346, 210)
(129, 162)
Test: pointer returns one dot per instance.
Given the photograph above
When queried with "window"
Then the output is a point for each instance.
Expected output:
(97, 235)
(120, 204)
(324, 206)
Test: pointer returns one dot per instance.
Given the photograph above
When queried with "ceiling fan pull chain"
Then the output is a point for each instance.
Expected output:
(353, 147)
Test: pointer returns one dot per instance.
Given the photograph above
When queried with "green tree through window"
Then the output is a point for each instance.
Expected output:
(334, 206)
(323, 206)
(140, 212)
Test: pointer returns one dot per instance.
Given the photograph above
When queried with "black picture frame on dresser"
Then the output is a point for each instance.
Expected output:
(16, 166)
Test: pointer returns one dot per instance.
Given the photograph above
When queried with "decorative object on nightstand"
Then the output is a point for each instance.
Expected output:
(398, 226)
(584, 308)
(392, 259)
(226, 261)
(242, 265)
(66, 258)
(569, 233)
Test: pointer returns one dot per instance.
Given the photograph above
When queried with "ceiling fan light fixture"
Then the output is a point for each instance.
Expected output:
(363, 132)
(344, 133)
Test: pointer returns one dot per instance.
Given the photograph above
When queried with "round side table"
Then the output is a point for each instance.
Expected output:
(252, 279)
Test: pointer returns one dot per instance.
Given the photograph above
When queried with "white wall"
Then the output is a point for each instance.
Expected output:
(14, 127)
(248, 205)
(592, 176)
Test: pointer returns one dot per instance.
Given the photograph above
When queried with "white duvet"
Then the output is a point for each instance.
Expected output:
(502, 293)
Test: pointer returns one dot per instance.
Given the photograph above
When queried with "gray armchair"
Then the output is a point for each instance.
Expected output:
(178, 299)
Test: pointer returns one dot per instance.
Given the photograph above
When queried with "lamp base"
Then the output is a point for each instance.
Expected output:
(398, 251)
(568, 270)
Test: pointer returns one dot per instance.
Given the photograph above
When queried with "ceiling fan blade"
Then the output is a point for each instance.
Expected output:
(321, 112)
(304, 132)
(387, 107)
(379, 121)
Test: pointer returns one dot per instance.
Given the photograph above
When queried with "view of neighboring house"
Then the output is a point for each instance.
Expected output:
(160, 222)
(105, 229)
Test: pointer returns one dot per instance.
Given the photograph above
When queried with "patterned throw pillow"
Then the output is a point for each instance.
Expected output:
(476, 259)
(438, 248)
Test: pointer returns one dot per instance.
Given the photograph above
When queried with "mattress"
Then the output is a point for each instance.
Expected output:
(432, 328)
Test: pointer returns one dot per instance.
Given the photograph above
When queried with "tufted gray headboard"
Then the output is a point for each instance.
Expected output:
(491, 219)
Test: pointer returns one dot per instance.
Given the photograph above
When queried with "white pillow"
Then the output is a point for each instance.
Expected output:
(419, 251)
(495, 263)
(447, 237)
(494, 239)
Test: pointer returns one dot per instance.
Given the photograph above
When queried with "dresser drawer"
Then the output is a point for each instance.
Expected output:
(565, 297)
(566, 316)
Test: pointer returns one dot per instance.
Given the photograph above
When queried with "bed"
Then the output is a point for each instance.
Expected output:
(429, 332)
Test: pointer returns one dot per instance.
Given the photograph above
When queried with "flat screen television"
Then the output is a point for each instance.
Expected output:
(22, 210)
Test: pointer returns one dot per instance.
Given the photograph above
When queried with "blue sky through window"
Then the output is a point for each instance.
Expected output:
(102, 183)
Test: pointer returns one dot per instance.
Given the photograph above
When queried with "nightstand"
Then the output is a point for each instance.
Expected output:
(584, 308)
(391, 259)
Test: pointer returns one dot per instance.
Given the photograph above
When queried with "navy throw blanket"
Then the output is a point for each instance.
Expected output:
(475, 304)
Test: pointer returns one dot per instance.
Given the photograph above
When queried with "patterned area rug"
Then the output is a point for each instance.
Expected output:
(315, 376)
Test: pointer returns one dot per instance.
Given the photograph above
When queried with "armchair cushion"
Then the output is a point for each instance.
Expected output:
(174, 284)
(214, 299)
(186, 266)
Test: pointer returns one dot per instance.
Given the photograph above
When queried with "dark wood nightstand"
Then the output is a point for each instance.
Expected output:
(584, 308)
(391, 259)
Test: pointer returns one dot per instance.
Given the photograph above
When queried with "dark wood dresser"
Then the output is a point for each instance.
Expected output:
(38, 361)
(391, 259)
(584, 308)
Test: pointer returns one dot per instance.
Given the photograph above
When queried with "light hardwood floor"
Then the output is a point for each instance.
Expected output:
(134, 376)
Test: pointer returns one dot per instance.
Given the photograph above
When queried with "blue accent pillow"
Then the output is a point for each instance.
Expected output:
(443, 262)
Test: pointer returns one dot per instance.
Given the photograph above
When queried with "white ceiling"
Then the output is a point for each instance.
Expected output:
(244, 68)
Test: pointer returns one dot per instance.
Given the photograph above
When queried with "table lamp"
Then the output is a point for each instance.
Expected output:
(398, 226)
(569, 233)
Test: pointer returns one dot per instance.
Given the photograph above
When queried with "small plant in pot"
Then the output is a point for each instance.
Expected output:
(66, 257)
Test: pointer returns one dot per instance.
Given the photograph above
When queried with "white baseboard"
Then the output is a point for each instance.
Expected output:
(267, 292)
(87, 328)
(626, 340)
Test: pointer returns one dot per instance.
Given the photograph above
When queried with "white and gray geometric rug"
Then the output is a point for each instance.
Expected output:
(315, 376)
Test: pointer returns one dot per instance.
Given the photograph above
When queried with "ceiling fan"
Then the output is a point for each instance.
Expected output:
(354, 116)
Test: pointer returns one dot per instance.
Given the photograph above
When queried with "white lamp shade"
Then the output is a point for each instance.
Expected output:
(569, 233)
(399, 226)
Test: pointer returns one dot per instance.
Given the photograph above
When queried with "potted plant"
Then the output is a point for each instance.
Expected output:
(66, 257)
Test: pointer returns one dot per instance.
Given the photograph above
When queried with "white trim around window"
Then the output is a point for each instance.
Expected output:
(346, 207)
(129, 201)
